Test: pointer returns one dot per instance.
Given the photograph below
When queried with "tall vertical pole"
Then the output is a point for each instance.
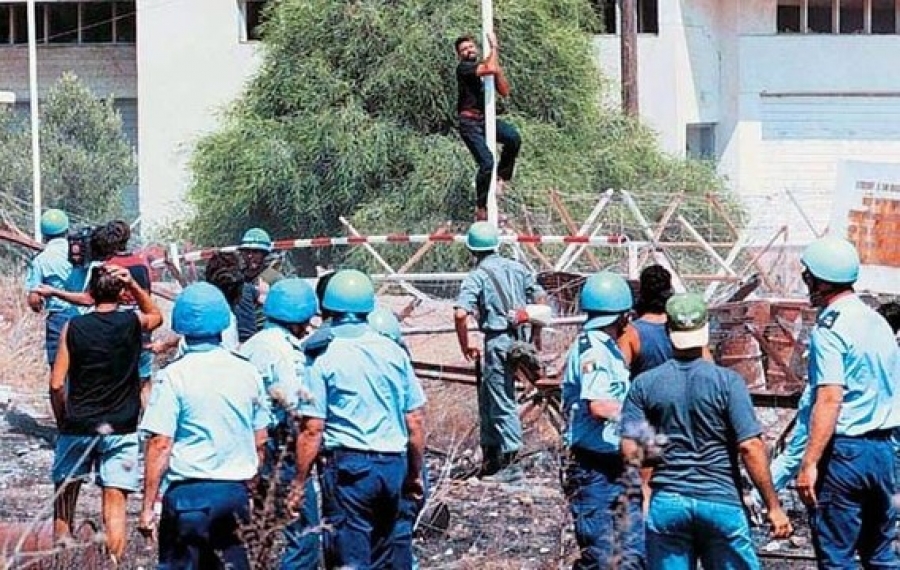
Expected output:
(35, 125)
(629, 57)
(490, 108)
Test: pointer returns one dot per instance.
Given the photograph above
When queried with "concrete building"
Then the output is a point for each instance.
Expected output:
(171, 66)
(777, 92)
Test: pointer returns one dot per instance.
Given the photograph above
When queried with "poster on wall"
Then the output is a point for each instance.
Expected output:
(866, 210)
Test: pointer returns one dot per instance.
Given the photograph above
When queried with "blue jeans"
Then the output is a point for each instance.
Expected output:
(498, 413)
(55, 323)
(605, 501)
(854, 513)
(472, 133)
(199, 523)
(361, 501)
(682, 530)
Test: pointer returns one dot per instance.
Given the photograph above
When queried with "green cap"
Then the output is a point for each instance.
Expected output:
(688, 321)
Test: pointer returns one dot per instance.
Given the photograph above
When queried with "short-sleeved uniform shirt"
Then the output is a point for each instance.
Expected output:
(595, 370)
(362, 386)
(853, 346)
(51, 267)
(705, 412)
(470, 89)
(479, 294)
(210, 402)
(279, 357)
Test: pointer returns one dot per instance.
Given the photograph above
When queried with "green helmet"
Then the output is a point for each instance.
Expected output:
(482, 236)
(256, 238)
(385, 322)
(54, 223)
(832, 259)
(349, 291)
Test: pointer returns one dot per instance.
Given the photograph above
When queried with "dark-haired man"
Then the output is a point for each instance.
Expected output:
(645, 343)
(95, 395)
(470, 108)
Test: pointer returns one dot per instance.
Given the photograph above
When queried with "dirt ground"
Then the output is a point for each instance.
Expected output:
(490, 525)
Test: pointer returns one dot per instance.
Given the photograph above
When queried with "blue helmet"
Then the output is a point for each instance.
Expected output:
(832, 259)
(291, 301)
(200, 310)
(482, 236)
(54, 223)
(384, 322)
(349, 291)
(256, 238)
(609, 295)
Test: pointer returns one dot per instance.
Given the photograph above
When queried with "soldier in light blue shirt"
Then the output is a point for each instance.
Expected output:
(595, 383)
(496, 290)
(207, 418)
(365, 413)
(277, 353)
(846, 475)
(51, 268)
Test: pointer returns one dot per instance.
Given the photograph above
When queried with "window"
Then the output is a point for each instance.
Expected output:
(884, 17)
(253, 14)
(70, 22)
(96, 23)
(788, 19)
(820, 17)
(837, 16)
(62, 22)
(606, 11)
(609, 14)
(648, 16)
(700, 141)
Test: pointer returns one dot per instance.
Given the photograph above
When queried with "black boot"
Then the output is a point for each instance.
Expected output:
(491, 461)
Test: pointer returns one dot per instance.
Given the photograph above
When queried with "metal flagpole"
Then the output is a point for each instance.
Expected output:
(490, 108)
(35, 125)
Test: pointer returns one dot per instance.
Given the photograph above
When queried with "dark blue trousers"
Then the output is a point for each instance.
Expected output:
(605, 501)
(361, 504)
(854, 513)
(199, 524)
(472, 133)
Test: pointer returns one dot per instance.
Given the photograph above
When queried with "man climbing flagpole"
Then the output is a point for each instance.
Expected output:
(479, 80)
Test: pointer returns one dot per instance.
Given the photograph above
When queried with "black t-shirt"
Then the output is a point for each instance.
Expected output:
(471, 89)
(103, 385)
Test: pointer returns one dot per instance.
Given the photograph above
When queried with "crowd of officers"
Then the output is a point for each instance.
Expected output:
(309, 395)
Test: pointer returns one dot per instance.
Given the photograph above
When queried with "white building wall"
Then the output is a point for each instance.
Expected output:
(191, 64)
(722, 62)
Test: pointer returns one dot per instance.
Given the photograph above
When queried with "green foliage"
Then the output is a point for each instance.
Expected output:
(353, 113)
(86, 161)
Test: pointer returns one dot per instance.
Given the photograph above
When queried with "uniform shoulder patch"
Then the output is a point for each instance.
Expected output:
(588, 366)
(827, 320)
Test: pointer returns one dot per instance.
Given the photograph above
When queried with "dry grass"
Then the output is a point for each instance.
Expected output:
(23, 365)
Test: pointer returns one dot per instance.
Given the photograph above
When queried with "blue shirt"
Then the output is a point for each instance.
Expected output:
(278, 356)
(853, 346)
(595, 370)
(704, 410)
(210, 402)
(362, 386)
(51, 267)
(478, 292)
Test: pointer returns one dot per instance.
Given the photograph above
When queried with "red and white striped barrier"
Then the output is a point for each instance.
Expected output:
(611, 240)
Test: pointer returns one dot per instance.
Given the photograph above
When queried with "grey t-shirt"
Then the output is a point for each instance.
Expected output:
(705, 411)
